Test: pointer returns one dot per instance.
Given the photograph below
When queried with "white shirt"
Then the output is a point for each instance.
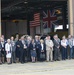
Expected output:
(8, 47)
(64, 42)
(41, 46)
(73, 42)
(2, 44)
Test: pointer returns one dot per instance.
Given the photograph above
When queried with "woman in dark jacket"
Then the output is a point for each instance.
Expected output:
(32, 47)
(3, 52)
(42, 50)
(17, 52)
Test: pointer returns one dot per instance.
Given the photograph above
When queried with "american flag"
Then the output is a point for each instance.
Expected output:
(48, 18)
(32, 23)
(36, 21)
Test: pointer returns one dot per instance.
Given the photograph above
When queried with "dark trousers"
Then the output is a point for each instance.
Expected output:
(67, 52)
(56, 54)
(73, 51)
(22, 56)
(28, 55)
(0, 57)
(17, 52)
(3, 52)
(38, 54)
(13, 59)
(64, 53)
(0, 54)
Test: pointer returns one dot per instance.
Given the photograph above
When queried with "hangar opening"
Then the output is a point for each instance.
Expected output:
(32, 17)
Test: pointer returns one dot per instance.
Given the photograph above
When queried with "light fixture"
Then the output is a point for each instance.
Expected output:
(25, 2)
(58, 11)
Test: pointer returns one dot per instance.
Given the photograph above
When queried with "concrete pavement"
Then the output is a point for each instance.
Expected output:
(38, 68)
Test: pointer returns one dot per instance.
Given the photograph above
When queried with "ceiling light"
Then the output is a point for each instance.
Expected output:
(25, 2)
(58, 11)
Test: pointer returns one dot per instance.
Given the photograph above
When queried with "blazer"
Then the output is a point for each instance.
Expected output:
(56, 43)
(31, 47)
(13, 45)
(21, 46)
(70, 42)
(49, 44)
(44, 47)
(8, 47)
(37, 44)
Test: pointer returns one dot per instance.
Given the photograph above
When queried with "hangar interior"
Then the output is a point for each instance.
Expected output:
(17, 14)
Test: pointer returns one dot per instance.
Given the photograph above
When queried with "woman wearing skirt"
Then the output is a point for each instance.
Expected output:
(32, 47)
(8, 49)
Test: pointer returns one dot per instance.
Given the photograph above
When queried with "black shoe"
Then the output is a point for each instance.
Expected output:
(3, 63)
(22, 62)
(51, 61)
(0, 63)
(58, 60)
(14, 62)
(9, 63)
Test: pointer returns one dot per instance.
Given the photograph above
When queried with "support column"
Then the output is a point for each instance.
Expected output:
(0, 17)
(28, 24)
(71, 16)
(41, 28)
(64, 17)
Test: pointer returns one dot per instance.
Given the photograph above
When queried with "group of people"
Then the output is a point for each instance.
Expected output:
(27, 49)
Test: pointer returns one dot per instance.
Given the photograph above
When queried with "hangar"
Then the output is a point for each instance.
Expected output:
(36, 17)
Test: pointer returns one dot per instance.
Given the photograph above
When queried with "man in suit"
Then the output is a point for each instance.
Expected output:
(37, 42)
(49, 48)
(70, 42)
(13, 59)
(29, 39)
(56, 42)
(22, 51)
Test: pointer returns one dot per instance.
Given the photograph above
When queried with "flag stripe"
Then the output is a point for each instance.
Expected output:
(36, 21)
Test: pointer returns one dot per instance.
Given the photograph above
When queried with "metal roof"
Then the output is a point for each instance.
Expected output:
(17, 9)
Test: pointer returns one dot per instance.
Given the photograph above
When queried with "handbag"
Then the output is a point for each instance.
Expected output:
(42, 55)
(8, 55)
